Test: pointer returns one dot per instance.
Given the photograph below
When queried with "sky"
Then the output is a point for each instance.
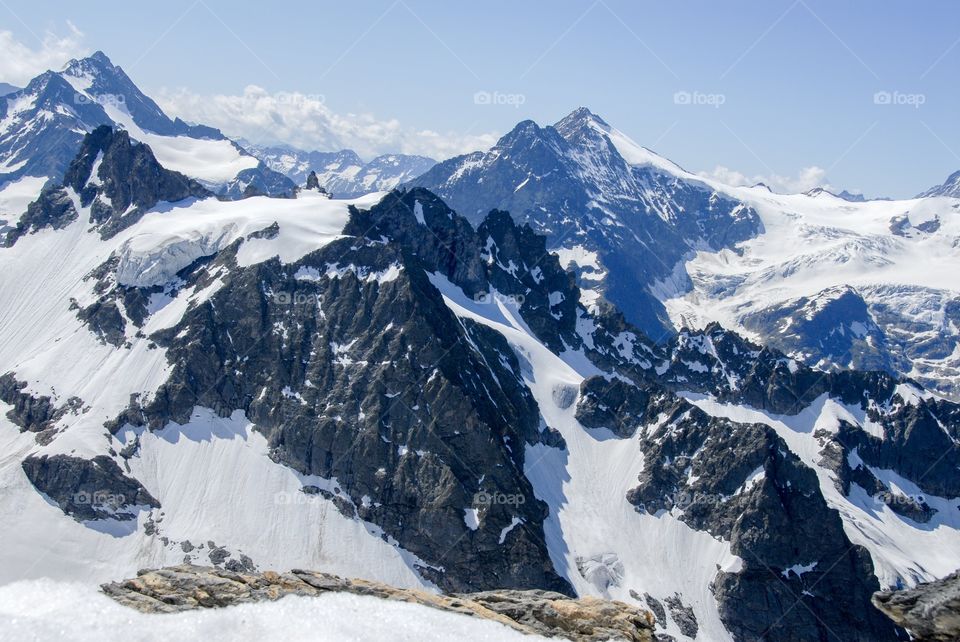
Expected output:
(857, 95)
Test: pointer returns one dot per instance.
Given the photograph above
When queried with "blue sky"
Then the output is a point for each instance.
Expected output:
(780, 90)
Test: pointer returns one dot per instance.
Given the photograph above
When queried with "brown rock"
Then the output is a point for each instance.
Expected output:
(187, 587)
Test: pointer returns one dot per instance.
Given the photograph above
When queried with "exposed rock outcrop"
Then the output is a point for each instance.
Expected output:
(930, 612)
(88, 489)
(185, 588)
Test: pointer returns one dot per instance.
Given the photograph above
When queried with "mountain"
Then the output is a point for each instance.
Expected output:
(7, 88)
(839, 284)
(41, 127)
(845, 195)
(379, 388)
(949, 188)
(622, 216)
(343, 173)
(672, 250)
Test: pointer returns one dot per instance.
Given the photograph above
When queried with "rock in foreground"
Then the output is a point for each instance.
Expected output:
(186, 587)
(930, 612)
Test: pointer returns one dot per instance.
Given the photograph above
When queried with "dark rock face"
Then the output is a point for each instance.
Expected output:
(683, 615)
(88, 489)
(616, 405)
(372, 380)
(184, 588)
(129, 180)
(569, 183)
(33, 413)
(920, 441)
(119, 180)
(52, 209)
(930, 612)
(741, 483)
(352, 365)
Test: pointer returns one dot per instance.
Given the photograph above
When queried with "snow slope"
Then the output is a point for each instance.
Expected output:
(15, 196)
(590, 520)
(899, 548)
(212, 162)
(197, 471)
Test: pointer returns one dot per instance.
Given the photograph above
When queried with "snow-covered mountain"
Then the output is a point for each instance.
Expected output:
(41, 127)
(379, 388)
(949, 187)
(617, 213)
(342, 173)
(648, 235)
(839, 284)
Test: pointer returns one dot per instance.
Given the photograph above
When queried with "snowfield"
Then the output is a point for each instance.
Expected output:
(813, 243)
(590, 519)
(212, 162)
(16, 196)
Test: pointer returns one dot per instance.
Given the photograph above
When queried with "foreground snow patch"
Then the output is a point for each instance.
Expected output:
(44, 610)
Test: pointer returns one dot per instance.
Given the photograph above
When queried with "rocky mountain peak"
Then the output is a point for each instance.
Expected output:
(118, 178)
(578, 120)
(96, 63)
(949, 187)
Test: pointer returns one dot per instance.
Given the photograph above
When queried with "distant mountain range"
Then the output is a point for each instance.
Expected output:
(342, 173)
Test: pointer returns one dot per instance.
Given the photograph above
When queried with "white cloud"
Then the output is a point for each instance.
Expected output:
(19, 63)
(806, 179)
(305, 121)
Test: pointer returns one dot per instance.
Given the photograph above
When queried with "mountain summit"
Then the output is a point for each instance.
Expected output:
(620, 215)
(44, 124)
